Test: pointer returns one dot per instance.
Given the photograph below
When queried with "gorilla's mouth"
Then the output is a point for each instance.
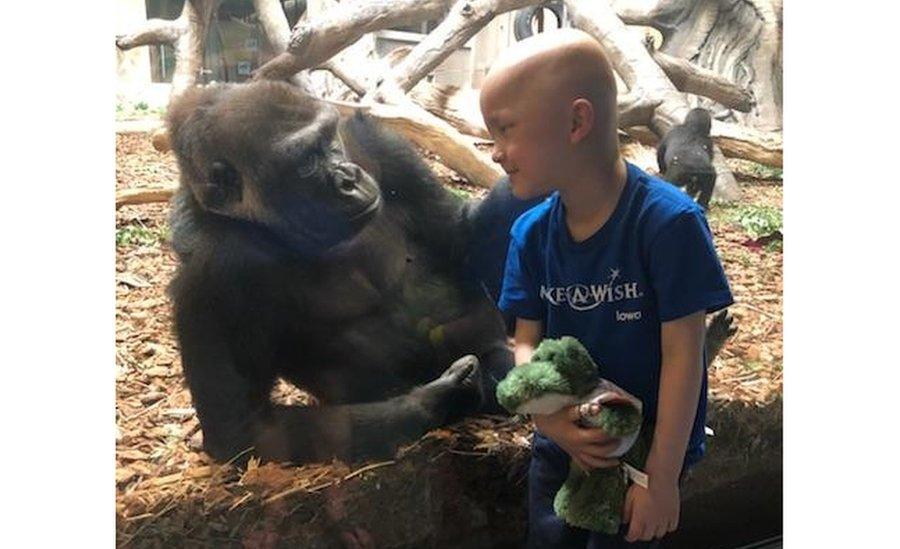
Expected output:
(366, 213)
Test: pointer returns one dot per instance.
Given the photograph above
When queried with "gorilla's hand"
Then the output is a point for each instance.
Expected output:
(455, 394)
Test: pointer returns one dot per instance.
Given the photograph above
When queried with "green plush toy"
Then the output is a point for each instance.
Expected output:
(561, 373)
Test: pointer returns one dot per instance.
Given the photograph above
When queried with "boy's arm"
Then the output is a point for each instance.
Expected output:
(528, 337)
(587, 447)
(681, 376)
(655, 511)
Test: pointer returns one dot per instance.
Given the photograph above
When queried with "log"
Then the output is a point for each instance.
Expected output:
(154, 31)
(318, 39)
(126, 197)
(744, 142)
(448, 103)
(735, 141)
(426, 130)
(635, 109)
(690, 78)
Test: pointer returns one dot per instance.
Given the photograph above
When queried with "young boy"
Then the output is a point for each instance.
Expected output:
(614, 257)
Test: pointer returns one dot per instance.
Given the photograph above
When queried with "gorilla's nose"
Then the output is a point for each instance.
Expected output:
(345, 176)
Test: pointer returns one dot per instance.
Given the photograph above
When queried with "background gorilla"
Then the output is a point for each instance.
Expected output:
(298, 263)
(685, 156)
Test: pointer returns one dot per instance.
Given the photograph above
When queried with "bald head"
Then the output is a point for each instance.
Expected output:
(561, 65)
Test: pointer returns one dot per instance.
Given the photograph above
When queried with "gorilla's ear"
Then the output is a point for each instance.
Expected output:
(351, 132)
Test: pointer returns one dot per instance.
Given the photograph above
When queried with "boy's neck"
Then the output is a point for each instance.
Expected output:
(590, 199)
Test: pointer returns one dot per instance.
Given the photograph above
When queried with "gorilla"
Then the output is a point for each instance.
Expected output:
(324, 253)
(685, 156)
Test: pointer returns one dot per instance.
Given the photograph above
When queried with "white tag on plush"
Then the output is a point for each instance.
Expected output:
(638, 477)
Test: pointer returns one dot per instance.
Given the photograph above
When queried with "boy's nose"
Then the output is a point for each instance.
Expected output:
(497, 155)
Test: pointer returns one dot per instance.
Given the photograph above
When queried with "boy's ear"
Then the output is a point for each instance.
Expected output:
(582, 120)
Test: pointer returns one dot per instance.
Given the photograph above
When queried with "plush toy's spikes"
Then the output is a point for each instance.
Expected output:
(573, 362)
(530, 381)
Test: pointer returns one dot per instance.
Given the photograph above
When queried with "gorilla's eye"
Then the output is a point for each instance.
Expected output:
(308, 166)
(222, 174)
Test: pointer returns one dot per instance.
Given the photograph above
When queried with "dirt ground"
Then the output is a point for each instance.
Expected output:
(158, 439)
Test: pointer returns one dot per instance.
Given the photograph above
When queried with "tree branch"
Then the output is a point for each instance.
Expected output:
(465, 19)
(153, 32)
(315, 41)
(690, 78)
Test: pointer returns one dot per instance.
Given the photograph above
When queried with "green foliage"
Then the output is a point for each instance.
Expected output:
(759, 221)
(761, 171)
(460, 192)
(139, 110)
(140, 235)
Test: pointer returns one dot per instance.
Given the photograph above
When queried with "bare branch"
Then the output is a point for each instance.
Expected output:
(153, 32)
(635, 109)
(334, 68)
(433, 134)
(690, 78)
(315, 41)
(739, 141)
(465, 19)
(125, 197)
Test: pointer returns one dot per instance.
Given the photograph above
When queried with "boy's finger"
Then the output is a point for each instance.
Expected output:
(634, 531)
(626, 511)
(661, 530)
(598, 462)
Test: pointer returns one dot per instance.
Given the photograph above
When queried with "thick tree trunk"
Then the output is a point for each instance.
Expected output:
(186, 35)
(738, 39)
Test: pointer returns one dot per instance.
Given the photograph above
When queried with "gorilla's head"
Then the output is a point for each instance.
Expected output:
(699, 121)
(268, 154)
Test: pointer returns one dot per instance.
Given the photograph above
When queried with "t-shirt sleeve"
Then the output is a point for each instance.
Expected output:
(519, 296)
(685, 271)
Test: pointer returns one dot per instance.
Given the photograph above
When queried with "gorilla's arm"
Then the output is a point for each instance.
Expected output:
(229, 330)
(661, 153)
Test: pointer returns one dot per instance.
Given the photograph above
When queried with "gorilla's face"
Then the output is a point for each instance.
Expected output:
(269, 154)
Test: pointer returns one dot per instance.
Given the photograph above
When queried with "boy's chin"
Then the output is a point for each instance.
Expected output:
(523, 190)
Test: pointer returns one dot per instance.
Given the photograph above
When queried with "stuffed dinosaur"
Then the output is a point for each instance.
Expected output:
(561, 373)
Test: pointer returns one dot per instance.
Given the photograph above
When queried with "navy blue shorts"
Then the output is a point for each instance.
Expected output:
(548, 471)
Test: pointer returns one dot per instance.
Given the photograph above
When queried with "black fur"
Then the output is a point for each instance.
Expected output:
(685, 156)
(287, 272)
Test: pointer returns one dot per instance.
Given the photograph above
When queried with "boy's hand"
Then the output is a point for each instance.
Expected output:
(651, 512)
(588, 448)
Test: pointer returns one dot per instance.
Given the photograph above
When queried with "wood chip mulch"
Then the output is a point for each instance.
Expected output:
(158, 439)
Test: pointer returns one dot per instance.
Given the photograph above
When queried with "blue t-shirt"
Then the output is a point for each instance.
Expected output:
(651, 262)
